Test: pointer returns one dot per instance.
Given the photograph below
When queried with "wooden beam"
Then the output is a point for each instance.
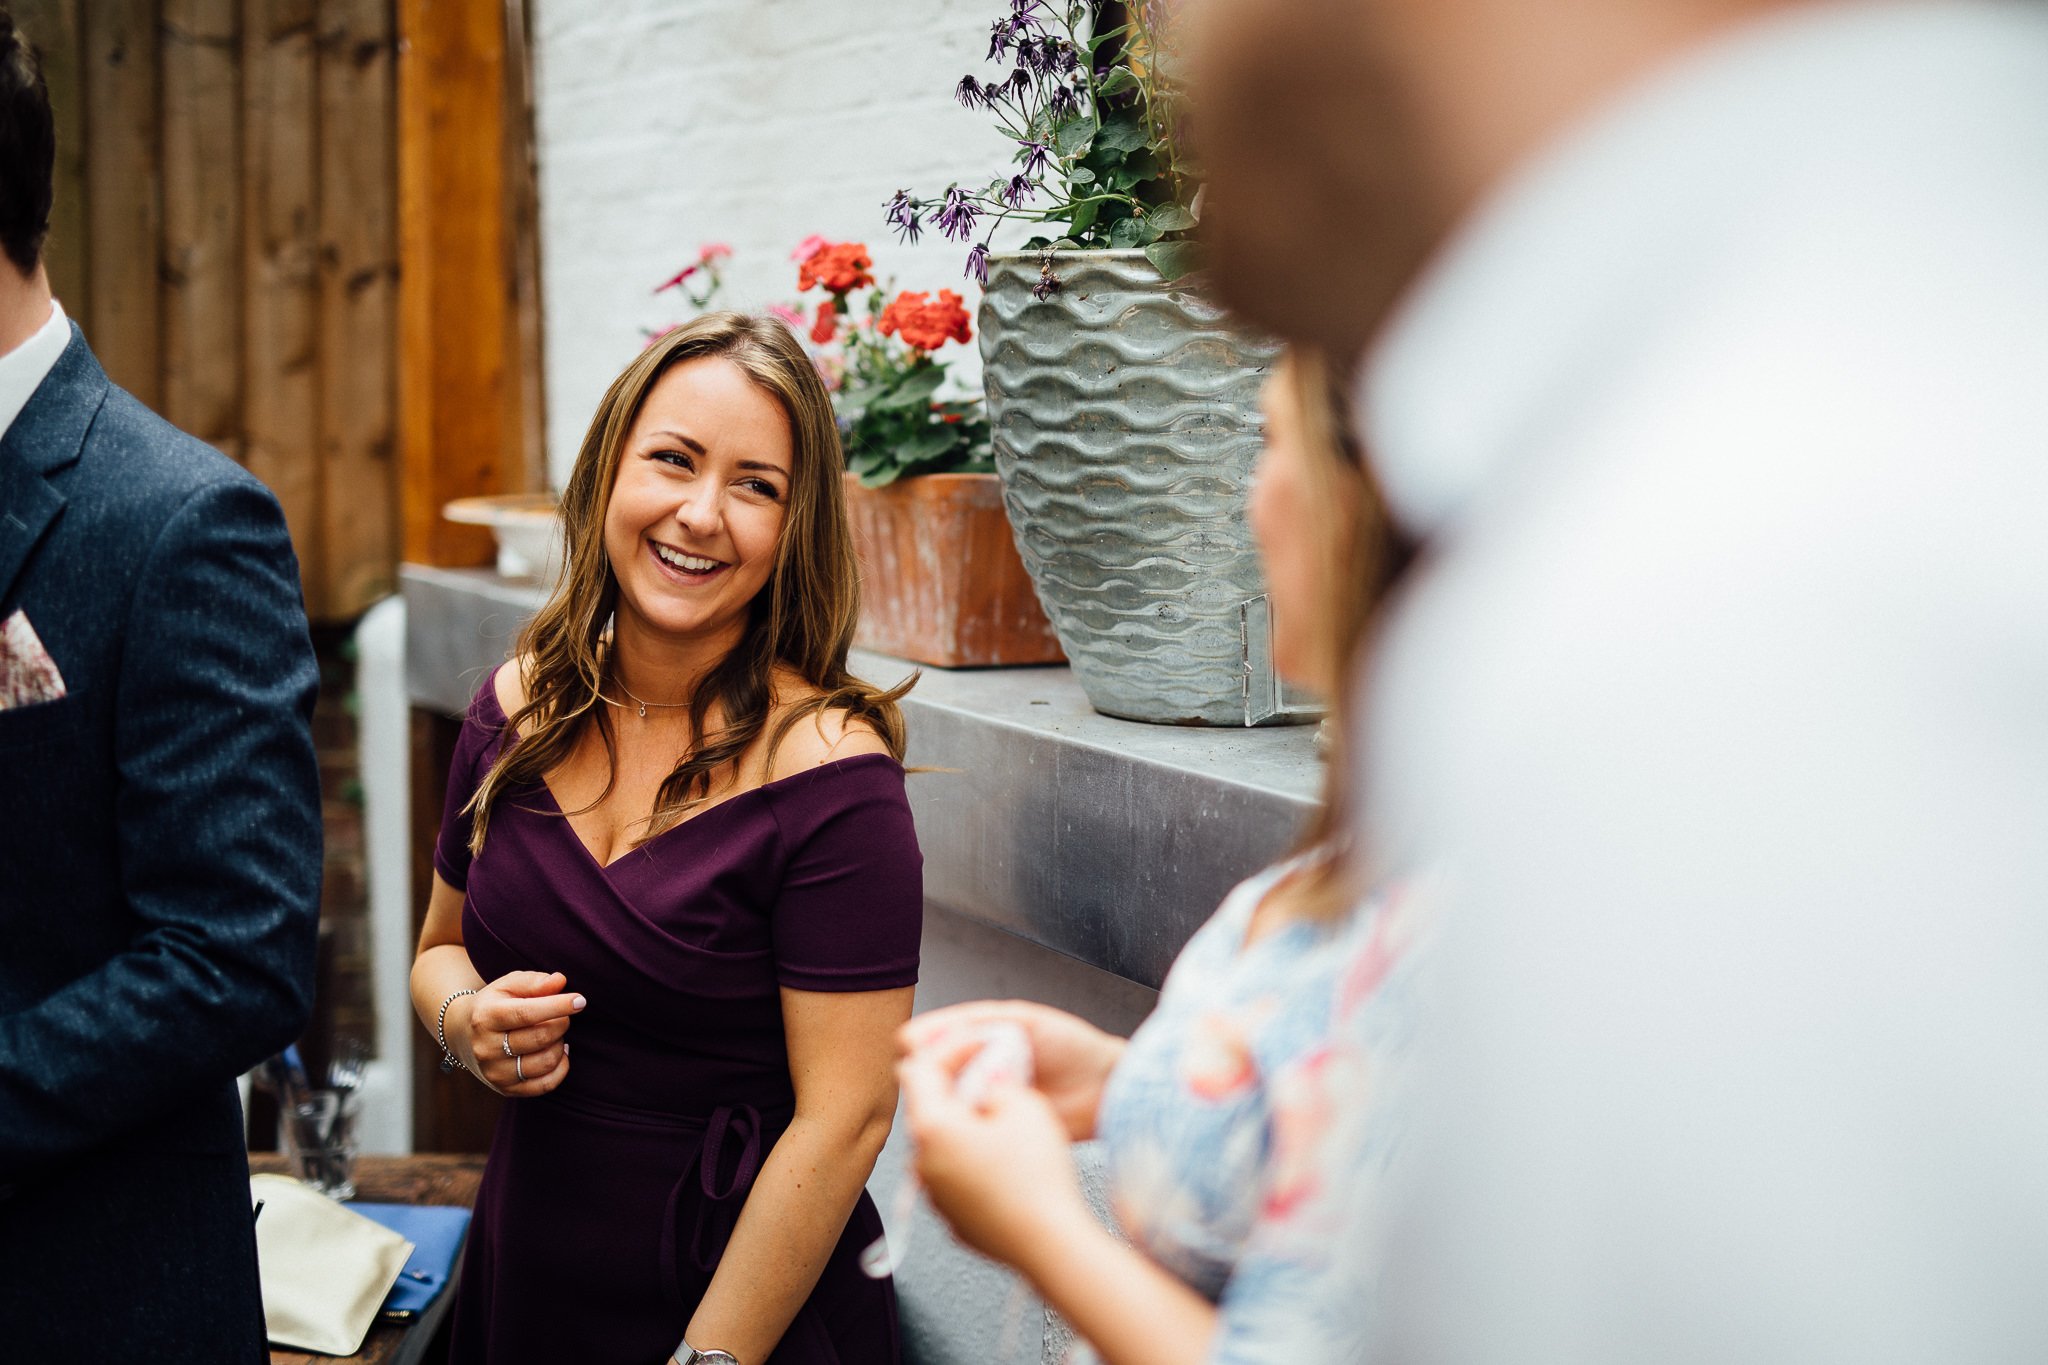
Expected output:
(124, 192)
(57, 30)
(202, 151)
(358, 304)
(456, 400)
(281, 280)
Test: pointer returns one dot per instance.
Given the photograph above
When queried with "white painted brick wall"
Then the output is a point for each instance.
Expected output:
(662, 124)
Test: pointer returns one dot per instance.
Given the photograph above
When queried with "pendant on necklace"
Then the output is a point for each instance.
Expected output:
(643, 710)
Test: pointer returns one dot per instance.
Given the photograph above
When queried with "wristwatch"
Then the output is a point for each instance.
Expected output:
(686, 1354)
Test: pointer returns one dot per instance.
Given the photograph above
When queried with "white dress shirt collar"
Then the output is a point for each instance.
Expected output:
(23, 369)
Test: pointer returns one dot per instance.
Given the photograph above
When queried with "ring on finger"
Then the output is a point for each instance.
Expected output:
(519, 1067)
(507, 1045)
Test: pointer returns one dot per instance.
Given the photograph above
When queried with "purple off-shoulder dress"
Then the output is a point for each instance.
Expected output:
(606, 1205)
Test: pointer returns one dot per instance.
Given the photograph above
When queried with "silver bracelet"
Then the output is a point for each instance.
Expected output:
(448, 1061)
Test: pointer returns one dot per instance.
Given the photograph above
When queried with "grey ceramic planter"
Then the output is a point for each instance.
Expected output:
(1126, 421)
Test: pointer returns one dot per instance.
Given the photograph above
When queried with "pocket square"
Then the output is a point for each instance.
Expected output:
(27, 672)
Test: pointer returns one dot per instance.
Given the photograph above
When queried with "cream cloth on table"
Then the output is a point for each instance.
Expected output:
(326, 1268)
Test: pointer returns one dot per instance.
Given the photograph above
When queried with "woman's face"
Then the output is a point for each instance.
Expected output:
(1287, 527)
(700, 499)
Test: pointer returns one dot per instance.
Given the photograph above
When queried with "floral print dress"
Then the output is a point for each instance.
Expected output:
(1239, 1132)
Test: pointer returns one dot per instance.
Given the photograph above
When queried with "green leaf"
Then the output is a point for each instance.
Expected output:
(913, 390)
(1172, 218)
(934, 441)
(1124, 134)
(1117, 82)
(1126, 233)
(1174, 259)
(1073, 137)
(1084, 218)
(1080, 175)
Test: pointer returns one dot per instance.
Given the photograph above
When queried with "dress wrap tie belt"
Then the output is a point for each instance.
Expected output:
(735, 1131)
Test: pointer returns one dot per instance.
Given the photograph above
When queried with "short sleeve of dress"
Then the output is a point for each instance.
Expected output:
(851, 909)
(475, 750)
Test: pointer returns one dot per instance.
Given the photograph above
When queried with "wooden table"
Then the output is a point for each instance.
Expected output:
(428, 1178)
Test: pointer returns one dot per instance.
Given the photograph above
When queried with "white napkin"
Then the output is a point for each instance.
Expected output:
(326, 1268)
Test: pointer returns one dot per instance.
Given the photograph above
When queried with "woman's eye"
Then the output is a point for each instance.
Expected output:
(762, 487)
(673, 457)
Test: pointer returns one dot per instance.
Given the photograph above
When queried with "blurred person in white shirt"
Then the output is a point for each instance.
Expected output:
(1705, 351)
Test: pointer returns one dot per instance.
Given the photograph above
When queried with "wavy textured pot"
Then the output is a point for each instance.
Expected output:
(939, 578)
(1126, 421)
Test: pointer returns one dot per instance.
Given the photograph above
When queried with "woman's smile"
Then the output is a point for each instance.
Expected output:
(680, 566)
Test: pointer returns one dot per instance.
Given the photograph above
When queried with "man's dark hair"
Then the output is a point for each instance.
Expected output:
(28, 148)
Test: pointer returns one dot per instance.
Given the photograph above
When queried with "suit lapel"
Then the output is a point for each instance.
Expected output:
(44, 439)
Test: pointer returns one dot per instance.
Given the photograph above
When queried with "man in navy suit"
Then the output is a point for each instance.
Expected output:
(159, 831)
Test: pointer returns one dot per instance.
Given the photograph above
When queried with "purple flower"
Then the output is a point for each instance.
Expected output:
(1063, 103)
(956, 215)
(1036, 155)
(977, 263)
(1018, 190)
(968, 92)
(901, 213)
(999, 35)
(1048, 285)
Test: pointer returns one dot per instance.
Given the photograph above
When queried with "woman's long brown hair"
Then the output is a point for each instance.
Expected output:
(801, 620)
(1358, 551)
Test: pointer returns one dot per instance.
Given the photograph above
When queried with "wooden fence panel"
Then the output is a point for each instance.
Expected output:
(124, 192)
(281, 275)
(202, 134)
(55, 27)
(358, 300)
(234, 178)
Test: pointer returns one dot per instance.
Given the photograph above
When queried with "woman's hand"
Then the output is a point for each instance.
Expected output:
(525, 1012)
(1001, 1173)
(1071, 1059)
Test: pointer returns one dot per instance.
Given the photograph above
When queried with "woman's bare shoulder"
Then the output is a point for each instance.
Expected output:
(509, 682)
(821, 736)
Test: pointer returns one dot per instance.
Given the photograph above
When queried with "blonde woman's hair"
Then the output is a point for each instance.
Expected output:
(802, 619)
(1356, 548)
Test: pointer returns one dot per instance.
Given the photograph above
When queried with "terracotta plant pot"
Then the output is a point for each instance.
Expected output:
(941, 582)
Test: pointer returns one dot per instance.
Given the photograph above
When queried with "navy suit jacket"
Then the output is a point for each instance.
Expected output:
(159, 875)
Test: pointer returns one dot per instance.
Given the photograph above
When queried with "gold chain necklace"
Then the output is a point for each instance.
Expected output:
(643, 705)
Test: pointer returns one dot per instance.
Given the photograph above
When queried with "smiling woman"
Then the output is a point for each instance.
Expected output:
(676, 824)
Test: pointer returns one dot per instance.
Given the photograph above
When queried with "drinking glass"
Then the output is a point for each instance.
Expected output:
(319, 1131)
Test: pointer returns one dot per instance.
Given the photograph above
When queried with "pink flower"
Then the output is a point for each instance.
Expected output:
(789, 315)
(713, 251)
(808, 247)
(685, 274)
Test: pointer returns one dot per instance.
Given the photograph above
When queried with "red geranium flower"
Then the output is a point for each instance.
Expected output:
(926, 323)
(840, 267)
(827, 325)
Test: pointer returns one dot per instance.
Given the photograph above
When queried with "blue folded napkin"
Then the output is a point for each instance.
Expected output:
(436, 1235)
